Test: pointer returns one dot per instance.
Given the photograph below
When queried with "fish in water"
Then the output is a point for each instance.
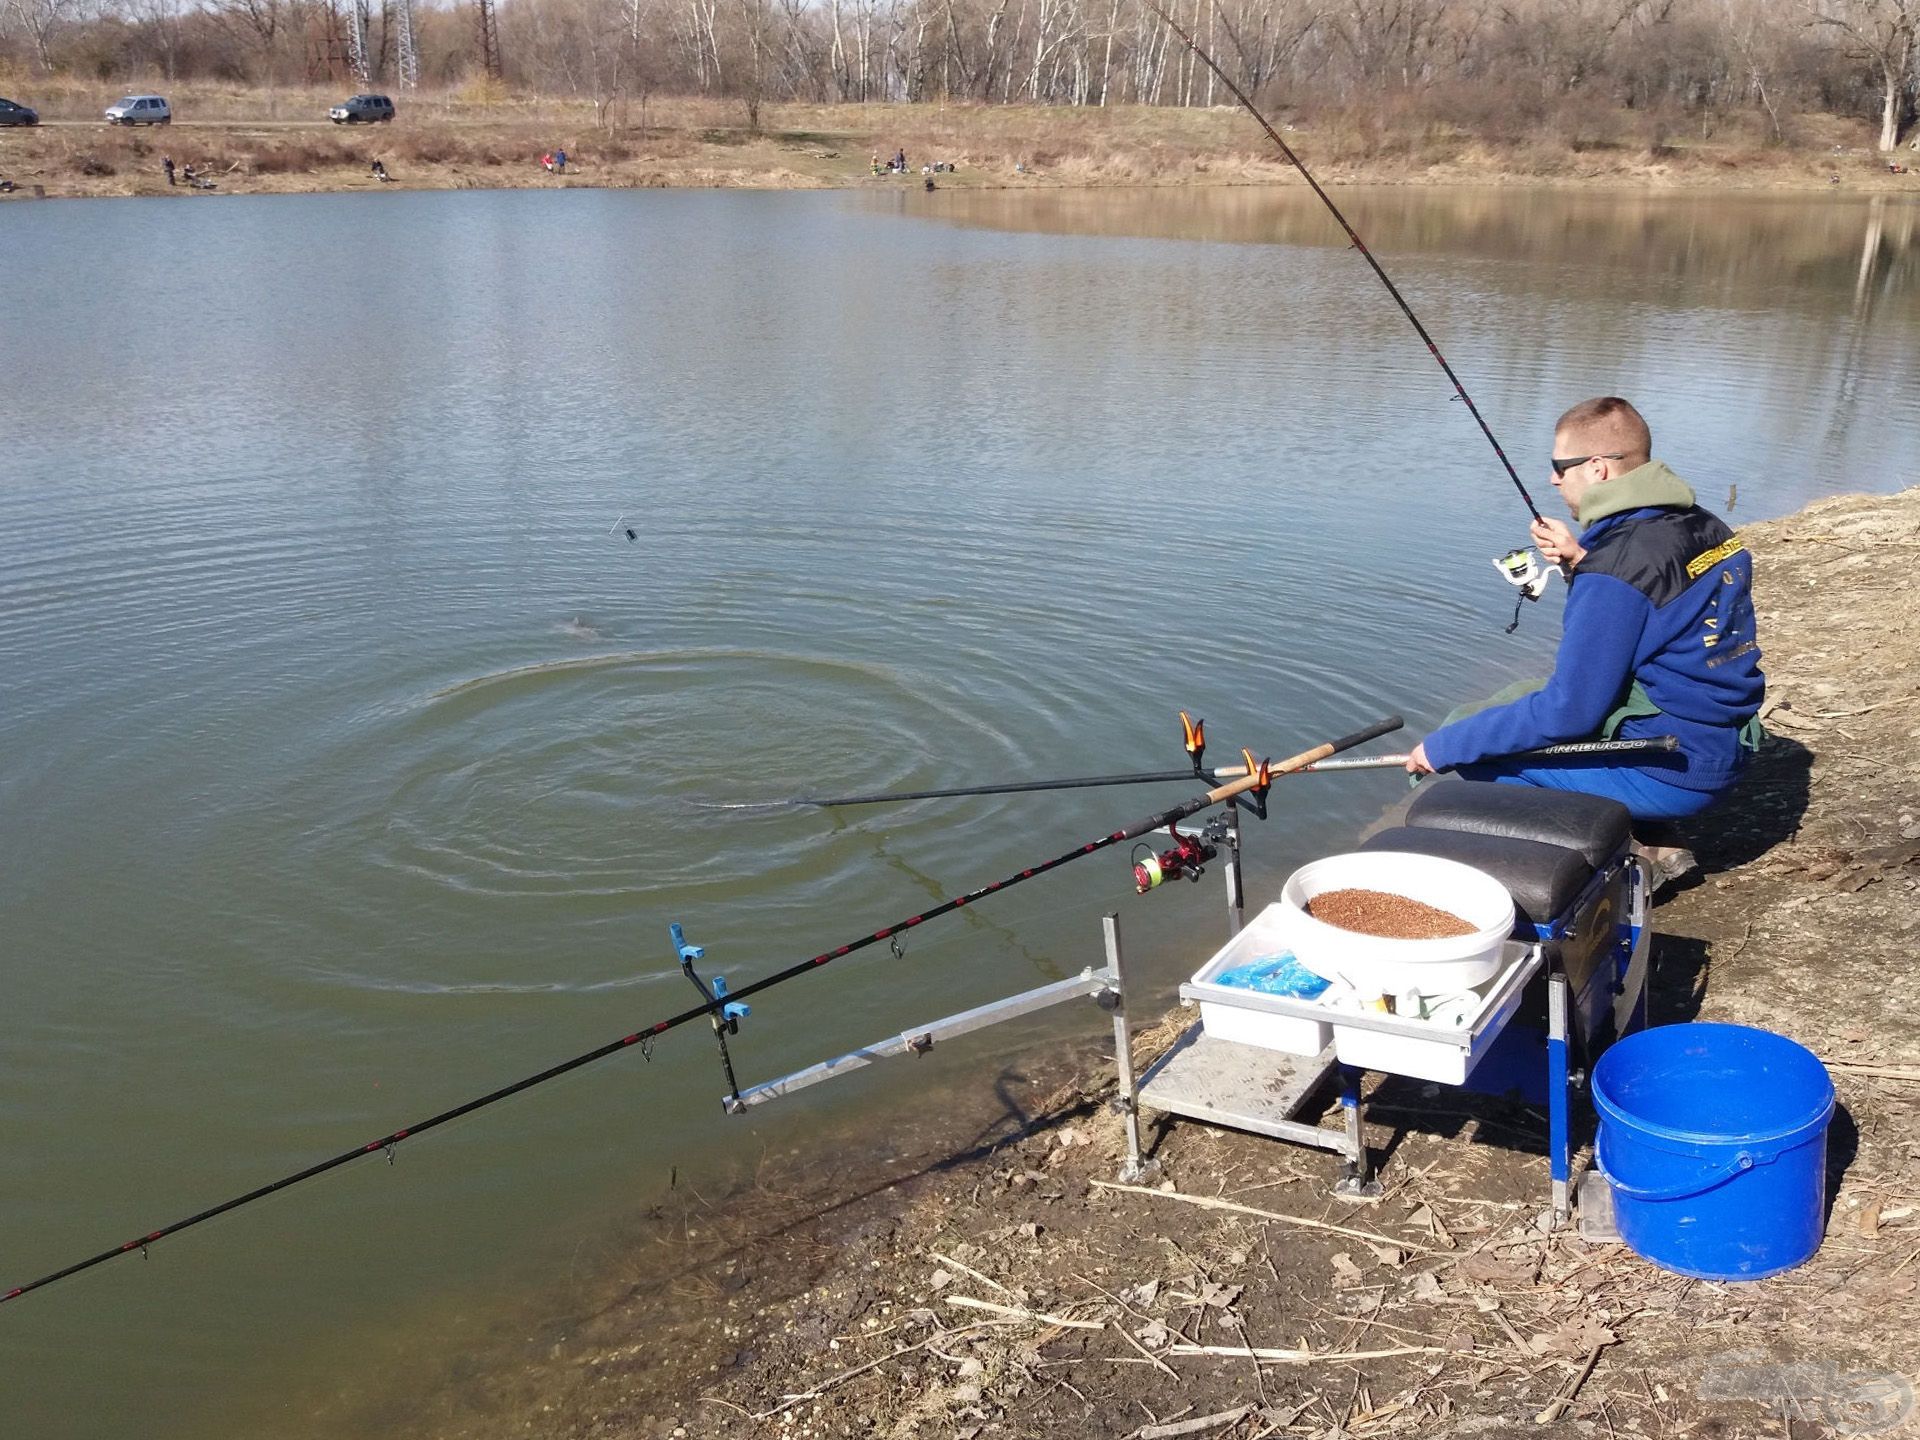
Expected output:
(580, 628)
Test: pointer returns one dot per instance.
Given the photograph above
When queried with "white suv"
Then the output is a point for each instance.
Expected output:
(139, 110)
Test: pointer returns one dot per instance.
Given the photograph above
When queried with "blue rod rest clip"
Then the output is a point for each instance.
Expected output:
(733, 1011)
(688, 953)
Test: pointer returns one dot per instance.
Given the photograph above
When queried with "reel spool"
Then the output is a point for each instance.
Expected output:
(1186, 859)
(1522, 569)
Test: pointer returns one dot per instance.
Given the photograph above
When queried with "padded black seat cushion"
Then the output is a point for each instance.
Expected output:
(1592, 824)
(1543, 879)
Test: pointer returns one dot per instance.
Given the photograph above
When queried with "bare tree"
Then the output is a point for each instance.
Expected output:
(42, 20)
(1265, 35)
(756, 24)
(160, 19)
(258, 25)
(1751, 29)
(1882, 32)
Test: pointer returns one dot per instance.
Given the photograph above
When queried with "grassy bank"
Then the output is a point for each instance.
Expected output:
(995, 1284)
(280, 142)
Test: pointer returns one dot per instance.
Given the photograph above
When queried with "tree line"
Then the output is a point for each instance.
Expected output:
(1488, 66)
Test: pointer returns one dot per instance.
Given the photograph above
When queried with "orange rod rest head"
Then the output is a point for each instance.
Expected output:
(1262, 770)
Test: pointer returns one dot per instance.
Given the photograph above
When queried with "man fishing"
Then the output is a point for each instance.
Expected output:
(1659, 634)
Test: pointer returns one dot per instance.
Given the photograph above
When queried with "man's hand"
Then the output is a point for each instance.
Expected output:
(1556, 542)
(1417, 761)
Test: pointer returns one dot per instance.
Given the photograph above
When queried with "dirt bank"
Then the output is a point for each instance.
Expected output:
(997, 1284)
(254, 143)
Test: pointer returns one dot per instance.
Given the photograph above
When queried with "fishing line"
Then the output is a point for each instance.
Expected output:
(1358, 244)
(721, 1006)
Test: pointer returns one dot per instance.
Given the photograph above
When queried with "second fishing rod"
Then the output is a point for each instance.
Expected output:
(1583, 751)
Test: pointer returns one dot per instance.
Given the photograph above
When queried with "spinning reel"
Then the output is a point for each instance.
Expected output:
(1186, 859)
(1522, 569)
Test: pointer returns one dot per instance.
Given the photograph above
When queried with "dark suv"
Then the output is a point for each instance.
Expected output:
(12, 114)
(362, 107)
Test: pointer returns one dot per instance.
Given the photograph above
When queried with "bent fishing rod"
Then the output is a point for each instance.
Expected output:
(1358, 244)
(1572, 749)
(722, 1007)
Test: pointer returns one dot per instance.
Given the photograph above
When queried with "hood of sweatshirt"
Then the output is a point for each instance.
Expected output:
(1652, 484)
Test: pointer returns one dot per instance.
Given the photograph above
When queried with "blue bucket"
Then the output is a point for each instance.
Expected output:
(1714, 1140)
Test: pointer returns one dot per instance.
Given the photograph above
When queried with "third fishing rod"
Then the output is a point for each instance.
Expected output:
(1358, 244)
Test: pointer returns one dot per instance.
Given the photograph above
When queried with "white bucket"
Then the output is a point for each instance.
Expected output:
(1376, 965)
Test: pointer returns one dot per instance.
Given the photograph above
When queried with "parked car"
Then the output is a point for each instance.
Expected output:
(12, 114)
(139, 110)
(361, 107)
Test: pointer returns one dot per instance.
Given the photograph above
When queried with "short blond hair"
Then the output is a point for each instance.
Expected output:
(1608, 425)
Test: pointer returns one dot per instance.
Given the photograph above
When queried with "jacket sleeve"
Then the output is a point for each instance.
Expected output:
(1601, 636)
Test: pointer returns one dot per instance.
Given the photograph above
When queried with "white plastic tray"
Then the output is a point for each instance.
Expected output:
(1426, 1050)
(1229, 1013)
(1391, 1044)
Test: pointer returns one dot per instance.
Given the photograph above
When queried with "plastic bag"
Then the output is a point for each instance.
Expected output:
(1279, 974)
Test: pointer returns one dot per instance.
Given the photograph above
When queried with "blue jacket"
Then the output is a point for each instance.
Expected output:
(1663, 596)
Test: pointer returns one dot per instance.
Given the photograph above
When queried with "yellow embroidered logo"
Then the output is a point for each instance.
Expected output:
(1707, 559)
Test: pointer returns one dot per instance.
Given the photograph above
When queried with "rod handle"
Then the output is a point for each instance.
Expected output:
(1307, 757)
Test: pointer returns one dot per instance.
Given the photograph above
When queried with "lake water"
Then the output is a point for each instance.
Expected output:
(348, 755)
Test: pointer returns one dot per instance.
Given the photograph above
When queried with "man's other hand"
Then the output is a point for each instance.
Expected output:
(1556, 542)
(1417, 761)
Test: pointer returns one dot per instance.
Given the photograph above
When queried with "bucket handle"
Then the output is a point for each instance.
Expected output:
(1694, 1185)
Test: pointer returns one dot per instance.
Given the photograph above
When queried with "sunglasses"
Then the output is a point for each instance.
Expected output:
(1560, 467)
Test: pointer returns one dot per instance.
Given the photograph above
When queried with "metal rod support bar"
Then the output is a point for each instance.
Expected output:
(1123, 1047)
(920, 1037)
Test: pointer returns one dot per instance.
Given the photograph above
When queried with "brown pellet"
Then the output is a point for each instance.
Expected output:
(1393, 917)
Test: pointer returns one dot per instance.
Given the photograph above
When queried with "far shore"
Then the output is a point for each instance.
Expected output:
(246, 143)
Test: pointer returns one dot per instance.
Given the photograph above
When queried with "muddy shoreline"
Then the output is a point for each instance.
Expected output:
(988, 1279)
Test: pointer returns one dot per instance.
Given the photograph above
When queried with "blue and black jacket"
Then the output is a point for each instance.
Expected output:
(1663, 597)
